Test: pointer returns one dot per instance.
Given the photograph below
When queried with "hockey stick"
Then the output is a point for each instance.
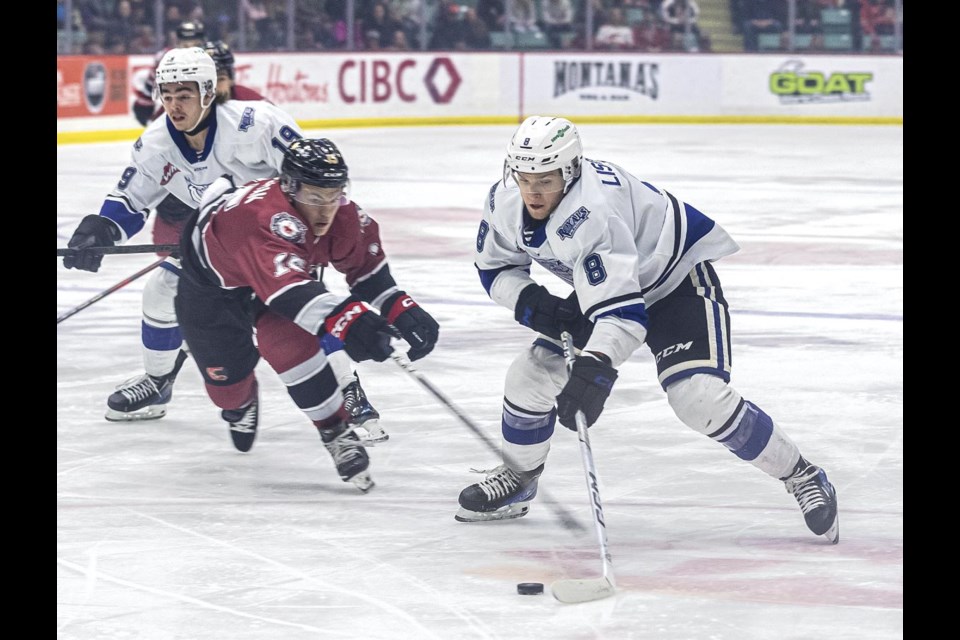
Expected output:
(123, 248)
(566, 518)
(586, 589)
(103, 294)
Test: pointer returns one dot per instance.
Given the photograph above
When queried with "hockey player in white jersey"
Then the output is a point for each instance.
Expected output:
(199, 140)
(640, 262)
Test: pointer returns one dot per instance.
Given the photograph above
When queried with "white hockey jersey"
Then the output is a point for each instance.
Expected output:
(620, 242)
(245, 140)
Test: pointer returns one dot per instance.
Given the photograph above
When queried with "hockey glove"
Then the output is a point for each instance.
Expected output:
(418, 327)
(547, 314)
(365, 335)
(93, 231)
(587, 389)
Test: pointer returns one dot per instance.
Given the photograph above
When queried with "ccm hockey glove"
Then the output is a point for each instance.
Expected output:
(418, 327)
(587, 389)
(550, 315)
(365, 335)
(93, 231)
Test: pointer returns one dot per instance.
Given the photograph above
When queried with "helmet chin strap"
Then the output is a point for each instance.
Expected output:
(203, 121)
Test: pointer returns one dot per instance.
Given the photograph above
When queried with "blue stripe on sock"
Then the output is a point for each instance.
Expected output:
(752, 434)
(527, 430)
(160, 339)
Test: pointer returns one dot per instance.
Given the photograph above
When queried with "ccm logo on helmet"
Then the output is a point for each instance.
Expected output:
(525, 158)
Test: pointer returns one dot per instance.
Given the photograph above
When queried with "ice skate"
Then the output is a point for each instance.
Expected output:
(348, 455)
(362, 416)
(817, 499)
(243, 424)
(503, 495)
(140, 398)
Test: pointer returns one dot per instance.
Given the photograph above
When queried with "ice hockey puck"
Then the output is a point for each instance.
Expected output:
(530, 588)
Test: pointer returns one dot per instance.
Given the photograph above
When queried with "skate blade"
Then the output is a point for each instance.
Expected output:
(363, 481)
(371, 433)
(516, 510)
(833, 533)
(153, 412)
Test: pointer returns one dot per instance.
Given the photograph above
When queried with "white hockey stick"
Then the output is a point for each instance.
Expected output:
(566, 518)
(586, 589)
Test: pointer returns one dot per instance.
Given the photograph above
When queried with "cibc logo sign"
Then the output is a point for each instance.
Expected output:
(382, 80)
(95, 86)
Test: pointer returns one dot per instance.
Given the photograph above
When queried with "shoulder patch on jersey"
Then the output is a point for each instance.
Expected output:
(493, 192)
(138, 145)
(571, 224)
(288, 227)
(169, 170)
(374, 249)
(246, 120)
(363, 217)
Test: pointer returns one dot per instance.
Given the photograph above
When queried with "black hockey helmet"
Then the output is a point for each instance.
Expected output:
(191, 30)
(221, 54)
(316, 162)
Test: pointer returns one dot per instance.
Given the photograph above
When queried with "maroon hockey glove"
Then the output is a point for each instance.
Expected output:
(365, 335)
(93, 231)
(588, 388)
(418, 327)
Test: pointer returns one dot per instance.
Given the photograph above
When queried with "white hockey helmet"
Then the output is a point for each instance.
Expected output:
(192, 64)
(543, 144)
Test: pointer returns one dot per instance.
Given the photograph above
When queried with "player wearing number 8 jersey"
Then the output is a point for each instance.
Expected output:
(639, 260)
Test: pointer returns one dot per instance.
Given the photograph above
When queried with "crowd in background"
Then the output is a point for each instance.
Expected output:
(131, 26)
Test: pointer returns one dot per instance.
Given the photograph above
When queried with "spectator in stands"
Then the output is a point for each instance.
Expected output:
(762, 16)
(448, 33)
(145, 42)
(400, 41)
(121, 28)
(522, 16)
(378, 20)
(410, 15)
(557, 20)
(475, 33)
(877, 18)
(681, 18)
(806, 21)
(493, 13)
(614, 32)
(651, 34)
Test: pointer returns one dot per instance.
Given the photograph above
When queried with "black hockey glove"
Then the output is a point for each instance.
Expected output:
(93, 231)
(418, 327)
(545, 313)
(365, 335)
(588, 388)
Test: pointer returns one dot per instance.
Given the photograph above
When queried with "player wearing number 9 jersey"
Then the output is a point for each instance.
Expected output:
(196, 142)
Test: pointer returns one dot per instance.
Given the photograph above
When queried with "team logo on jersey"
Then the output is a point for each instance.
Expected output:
(363, 218)
(246, 120)
(571, 224)
(288, 227)
(493, 192)
(196, 190)
(168, 172)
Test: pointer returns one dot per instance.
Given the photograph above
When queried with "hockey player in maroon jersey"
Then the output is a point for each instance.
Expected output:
(249, 264)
